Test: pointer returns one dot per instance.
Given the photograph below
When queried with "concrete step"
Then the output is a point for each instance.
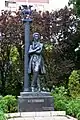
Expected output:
(48, 115)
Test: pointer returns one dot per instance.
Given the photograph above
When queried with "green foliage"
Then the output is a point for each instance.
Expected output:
(60, 98)
(14, 76)
(2, 116)
(8, 104)
(78, 116)
(14, 54)
(59, 58)
(48, 47)
(63, 102)
(76, 5)
(2, 107)
(0, 97)
(73, 107)
(74, 84)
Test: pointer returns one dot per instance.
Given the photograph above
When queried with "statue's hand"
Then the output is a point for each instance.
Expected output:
(35, 49)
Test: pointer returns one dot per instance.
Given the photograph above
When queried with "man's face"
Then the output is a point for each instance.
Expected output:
(36, 36)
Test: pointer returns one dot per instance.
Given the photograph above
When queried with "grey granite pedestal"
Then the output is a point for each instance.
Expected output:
(35, 101)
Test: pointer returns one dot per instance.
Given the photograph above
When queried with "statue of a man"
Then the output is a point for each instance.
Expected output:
(36, 63)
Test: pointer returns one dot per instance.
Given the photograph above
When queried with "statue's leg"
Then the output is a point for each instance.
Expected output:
(30, 81)
(34, 81)
(38, 84)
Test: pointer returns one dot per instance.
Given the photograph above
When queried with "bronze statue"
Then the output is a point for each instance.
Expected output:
(36, 63)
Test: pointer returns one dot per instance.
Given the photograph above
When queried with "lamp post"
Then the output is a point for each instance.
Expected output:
(26, 13)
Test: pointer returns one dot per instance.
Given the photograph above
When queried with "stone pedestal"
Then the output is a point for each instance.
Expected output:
(35, 101)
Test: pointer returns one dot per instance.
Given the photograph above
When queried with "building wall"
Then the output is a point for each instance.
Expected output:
(52, 5)
(39, 6)
(2, 4)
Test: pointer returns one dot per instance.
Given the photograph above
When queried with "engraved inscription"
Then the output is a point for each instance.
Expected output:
(47, 108)
(36, 101)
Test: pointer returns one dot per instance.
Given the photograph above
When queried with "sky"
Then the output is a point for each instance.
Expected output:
(53, 4)
(58, 3)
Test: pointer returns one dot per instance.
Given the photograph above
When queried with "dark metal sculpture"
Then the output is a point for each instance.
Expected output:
(33, 61)
(36, 63)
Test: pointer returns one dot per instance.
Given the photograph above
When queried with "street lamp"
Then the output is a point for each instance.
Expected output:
(26, 18)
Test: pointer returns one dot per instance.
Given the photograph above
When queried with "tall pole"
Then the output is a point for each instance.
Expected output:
(26, 57)
(26, 18)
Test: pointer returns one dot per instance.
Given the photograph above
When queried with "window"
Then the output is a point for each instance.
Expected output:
(9, 3)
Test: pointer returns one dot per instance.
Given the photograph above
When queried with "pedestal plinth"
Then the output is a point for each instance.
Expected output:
(35, 101)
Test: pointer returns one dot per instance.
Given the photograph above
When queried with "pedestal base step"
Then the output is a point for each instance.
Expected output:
(46, 115)
(35, 101)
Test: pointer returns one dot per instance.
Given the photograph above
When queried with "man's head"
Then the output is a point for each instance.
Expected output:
(36, 36)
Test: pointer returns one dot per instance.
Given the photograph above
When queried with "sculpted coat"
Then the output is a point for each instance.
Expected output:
(36, 63)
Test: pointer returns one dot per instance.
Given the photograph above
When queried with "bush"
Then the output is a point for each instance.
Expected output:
(2, 116)
(73, 107)
(8, 104)
(63, 102)
(60, 98)
(3, 105)
(74, 84)
(78, 116)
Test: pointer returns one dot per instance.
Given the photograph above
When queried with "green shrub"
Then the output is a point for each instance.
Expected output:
(9, 104)
(2, 115)
(62, 102)
(78, 116)
(60, 98)
(0, 97)
(74, 84)
(3, 105)
(73, 107)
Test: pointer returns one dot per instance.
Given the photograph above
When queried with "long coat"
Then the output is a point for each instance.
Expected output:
(36, 62)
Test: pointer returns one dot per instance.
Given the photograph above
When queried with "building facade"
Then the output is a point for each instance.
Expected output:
(14, 4)
(37, 4)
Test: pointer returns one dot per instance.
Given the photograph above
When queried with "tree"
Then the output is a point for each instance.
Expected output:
(60, 34)
(76, 5)
(74, 86)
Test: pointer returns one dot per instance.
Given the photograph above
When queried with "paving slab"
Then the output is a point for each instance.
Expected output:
(57, 113)
(48, 115)
(19, 118)
(27, 114)
(61, 118)
(42, 118)
(29, 119)
(43, 114)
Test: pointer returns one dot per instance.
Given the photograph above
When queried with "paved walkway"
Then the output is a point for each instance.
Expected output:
(49, 115)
